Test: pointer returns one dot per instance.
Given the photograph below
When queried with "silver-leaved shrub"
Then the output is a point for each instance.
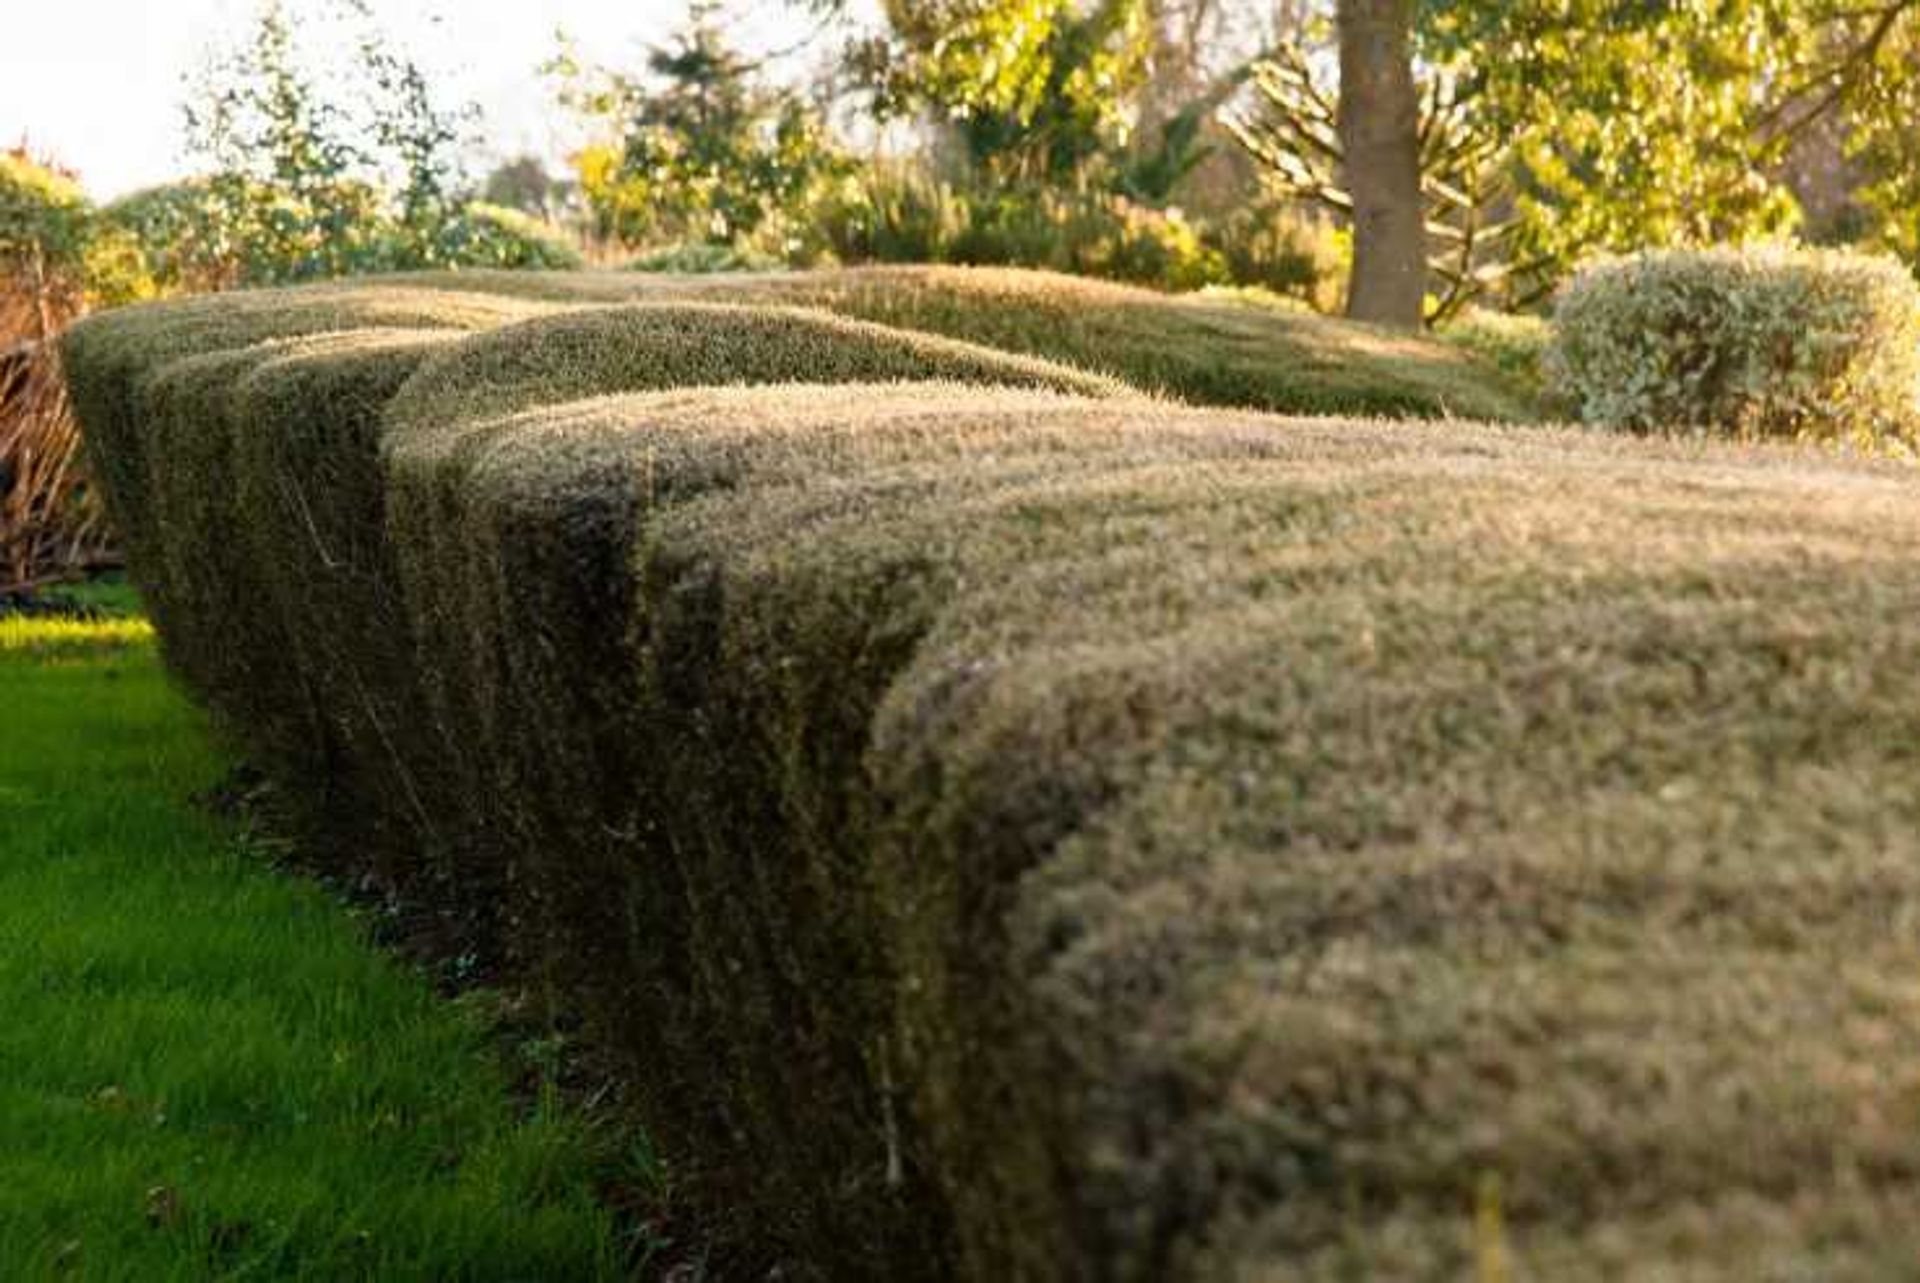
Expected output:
(1771, 341)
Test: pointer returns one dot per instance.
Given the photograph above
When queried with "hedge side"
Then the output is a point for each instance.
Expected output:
(1023, 834)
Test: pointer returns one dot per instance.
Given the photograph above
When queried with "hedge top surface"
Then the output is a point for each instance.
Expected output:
(638, 347)
(1203, 349)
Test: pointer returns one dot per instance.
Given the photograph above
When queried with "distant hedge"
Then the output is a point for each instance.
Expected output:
(1013, 829)
(1767, 342)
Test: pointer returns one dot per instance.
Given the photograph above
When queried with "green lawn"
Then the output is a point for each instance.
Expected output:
(206, 1071)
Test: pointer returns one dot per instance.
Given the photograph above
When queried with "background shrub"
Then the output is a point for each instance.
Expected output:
(1771, 341)
(1274, 246)
(48, 228)
(1122, 240)
(199, 236)
(894, 214)
(187, 246)
(482, 235)
(43, 212)
(904, 217)
(702, 258)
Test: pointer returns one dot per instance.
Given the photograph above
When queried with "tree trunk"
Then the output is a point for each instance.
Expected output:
(1380, 134)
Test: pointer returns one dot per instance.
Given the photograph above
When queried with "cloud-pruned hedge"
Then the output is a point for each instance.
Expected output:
(1015, 830)
(1205, 349)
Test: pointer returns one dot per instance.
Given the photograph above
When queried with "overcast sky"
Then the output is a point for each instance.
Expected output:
(98, 83)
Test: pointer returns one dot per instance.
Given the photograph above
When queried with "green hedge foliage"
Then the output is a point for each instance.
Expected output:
(1012, 829)
(1770, 342)
(700, 257)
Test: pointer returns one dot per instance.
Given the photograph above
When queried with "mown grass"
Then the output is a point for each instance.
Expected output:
(205, 1070)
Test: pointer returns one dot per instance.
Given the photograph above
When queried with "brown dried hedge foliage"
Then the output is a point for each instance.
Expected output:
(1015, 831)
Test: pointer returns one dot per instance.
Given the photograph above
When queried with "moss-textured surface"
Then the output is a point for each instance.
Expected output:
(1022, 834)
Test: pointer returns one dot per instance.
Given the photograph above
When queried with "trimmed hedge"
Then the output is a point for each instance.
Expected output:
(1767, 342)
(480, 234)
(1014, 833)
(1204, 348)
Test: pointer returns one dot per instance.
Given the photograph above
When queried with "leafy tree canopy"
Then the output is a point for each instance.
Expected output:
(1870, 78)
(315, 170)
(699, 147)
(1037, 89)
(1553, 129)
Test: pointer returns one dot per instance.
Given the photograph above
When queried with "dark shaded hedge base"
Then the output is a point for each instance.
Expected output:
(1030, 831)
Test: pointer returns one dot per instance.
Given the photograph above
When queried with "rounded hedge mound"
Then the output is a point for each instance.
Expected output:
(639, 347)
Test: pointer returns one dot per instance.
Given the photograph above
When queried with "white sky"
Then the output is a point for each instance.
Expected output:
(98, 83)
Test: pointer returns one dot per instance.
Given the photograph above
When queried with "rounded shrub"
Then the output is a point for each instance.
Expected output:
(484, 235)
(1762, 342)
